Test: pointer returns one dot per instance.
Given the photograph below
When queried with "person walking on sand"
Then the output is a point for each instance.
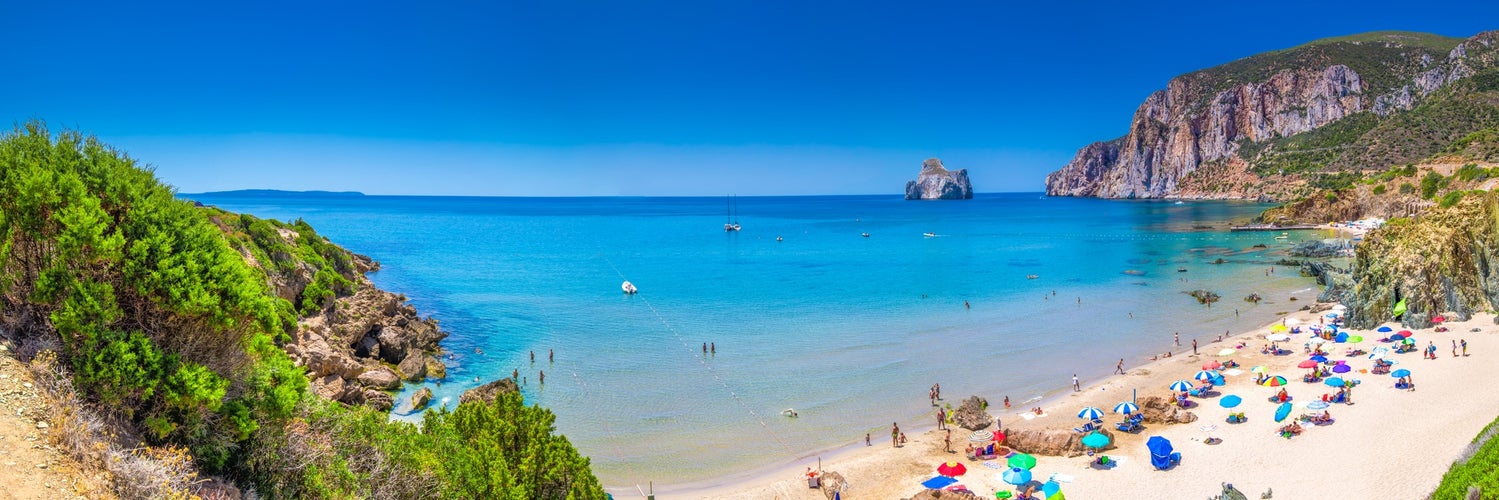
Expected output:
(1194, 347)
(1076, 387)
(1119, 368)
(1465, 347)
(895, 435)
(866, 440)
(947, 441)
(941, 419)
(1454, 348)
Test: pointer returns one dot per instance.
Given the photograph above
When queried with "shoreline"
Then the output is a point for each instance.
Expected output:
(880, 471)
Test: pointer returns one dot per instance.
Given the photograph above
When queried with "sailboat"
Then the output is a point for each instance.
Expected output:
(731, 219)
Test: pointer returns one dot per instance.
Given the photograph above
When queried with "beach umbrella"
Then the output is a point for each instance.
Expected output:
(952, 469)
(1258, 369)
(1332, 315)
(1277, 337)
(1407, 341)
(1333, 382)
(1275, 381)
(1095, 440)
(981, 436)
(1016, 476)
(1319, 358)
(1339, 307)
(1217, 380)
(1342, 369)
(1090, 413)
(1292, 321)
(1400, 373)
(1181, 385)
(1278, 328)
(1050, 489)
(1230, 401)
(1126, 408)
(1307, 364)
(1227, 352)
(1438, 319)
(1212, 365)
(1384, 329)
(938, 482)
(1317, 405)
(1205, 375)
(1405, 333)
(1282, 411)
(1021, 461)
(1355, 339)
(1341, 338)
(1397, 336)
(1317, 340)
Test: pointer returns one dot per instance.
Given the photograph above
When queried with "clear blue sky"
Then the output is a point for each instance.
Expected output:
(631, 98)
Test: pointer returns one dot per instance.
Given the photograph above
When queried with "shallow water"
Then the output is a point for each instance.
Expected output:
(850, 331)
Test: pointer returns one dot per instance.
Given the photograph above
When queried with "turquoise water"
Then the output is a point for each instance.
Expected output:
(850, 331)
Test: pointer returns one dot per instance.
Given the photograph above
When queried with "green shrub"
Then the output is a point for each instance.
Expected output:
(1431, 183)
(1407, 188)
(1450, 199)
(1380, 189)
(1480, 469)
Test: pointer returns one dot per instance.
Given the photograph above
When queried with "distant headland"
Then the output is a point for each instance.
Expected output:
(275, 192)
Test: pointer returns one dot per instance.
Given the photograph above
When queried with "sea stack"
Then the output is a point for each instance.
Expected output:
(938, 183)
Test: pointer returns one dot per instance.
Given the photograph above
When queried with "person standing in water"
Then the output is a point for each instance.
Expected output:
(533, 356)
(713, 348)
(542, 377)
(1194, 347)
(551, 356)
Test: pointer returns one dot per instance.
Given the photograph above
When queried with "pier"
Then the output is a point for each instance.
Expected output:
(1273, 227)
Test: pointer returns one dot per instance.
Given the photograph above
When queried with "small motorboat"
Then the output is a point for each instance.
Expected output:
(629, 288)
(866, 235)
(929, 235)
(1031, 276)
(1181, 270)
(1283, 236)
(778, 238)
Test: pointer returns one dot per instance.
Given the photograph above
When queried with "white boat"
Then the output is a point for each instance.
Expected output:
(629, 288)
(1283, 236)
(731, 219)
(929, 235)
(778, 238)
(866, 235)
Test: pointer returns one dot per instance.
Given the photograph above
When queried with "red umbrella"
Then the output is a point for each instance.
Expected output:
(1405, 333)
(1307, 364)
(999, 436)
(1438, 319)
(1212, 365)
(951, 469)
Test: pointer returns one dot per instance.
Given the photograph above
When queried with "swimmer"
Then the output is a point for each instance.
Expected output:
(790, 413)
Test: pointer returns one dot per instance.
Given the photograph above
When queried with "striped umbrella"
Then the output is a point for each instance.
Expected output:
(1126, 408)
(1275, 381)
(1205, 375)
(1090, 413)
(1181, 385)
(1258, 369)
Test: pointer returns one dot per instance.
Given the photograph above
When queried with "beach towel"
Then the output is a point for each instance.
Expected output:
(1233, 372)
(992, 464)
(1063, 478)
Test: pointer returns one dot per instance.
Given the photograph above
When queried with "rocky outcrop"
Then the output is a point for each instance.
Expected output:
(420, 399)
(1050, 442)
(1444, 262)
(971, 414)
(938, 183)
(834, 485)
(380, 378)
(930, 494)
(1335, 281)
(1159, 410)
(414, 367)
(1329, 247)
(488, 392)
(1203, 119)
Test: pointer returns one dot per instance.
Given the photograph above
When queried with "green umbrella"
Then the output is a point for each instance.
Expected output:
(1355, 339)
(1095, 440)
(1022, 461)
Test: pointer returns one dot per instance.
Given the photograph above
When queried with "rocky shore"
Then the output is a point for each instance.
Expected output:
(936, 182)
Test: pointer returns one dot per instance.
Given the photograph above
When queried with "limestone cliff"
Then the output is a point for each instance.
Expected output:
(1444, 262)
(938, 183)
(1221, 121)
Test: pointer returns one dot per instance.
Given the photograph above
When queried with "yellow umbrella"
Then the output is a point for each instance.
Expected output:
(1227, 352)
(1279, 329)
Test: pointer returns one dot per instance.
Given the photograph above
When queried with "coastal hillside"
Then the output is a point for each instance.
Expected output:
(178, 342)
(1279, 125)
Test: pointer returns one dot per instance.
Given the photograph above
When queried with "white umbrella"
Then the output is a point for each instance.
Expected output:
(1316, 340)
(1278, 337)
(1339, 307)
(1292, 321)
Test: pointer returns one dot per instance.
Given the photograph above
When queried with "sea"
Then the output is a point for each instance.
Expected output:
(1002, 295)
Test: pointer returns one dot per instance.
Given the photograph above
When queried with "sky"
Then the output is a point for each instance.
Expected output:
(582, 98)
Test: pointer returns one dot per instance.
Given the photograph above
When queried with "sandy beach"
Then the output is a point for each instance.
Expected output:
(1398, 443)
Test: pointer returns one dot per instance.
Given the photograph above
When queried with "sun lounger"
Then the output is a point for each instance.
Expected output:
(1088, 427)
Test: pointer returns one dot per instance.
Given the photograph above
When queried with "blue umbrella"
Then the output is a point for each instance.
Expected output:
(1050, 488)
(1333, 382)
(1181, 385)
(1319, 358)
(1341, 338)
(1205, 375)
(1090, 413)
(1317, 405)
(1400, 373)
(938, 482)
(1126, 408)
(1095, 440)
(1384, 329)
(1230, 401)
(1217, 380)
(1342, 369)
(1282, 411)
(1016, 476)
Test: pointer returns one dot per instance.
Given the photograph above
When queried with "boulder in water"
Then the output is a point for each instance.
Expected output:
(971, 415)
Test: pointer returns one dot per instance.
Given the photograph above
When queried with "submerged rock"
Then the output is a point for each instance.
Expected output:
(487, 392)
(938, 183)
(420, 399)
(1204, 296)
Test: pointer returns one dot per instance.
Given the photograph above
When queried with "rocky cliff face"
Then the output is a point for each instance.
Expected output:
(1202, 118)
(938, 183)
(1446, 261)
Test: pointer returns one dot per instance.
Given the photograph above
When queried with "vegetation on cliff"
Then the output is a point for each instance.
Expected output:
(174, 338)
